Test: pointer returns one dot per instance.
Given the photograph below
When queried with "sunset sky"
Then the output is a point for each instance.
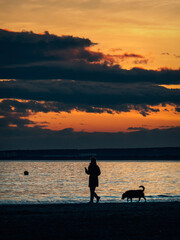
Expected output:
(89, 74)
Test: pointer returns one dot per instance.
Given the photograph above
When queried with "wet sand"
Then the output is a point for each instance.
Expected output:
(122, 221)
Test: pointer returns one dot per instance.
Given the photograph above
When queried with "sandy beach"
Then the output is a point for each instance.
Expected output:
(158, 220)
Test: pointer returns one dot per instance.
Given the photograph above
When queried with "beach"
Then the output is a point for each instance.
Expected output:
(150, 220)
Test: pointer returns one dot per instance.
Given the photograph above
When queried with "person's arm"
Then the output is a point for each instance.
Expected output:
(86, 171)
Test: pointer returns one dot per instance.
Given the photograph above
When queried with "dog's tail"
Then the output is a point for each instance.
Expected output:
(142, 188)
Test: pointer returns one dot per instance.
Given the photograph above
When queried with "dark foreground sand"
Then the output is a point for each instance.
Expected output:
(98, 221)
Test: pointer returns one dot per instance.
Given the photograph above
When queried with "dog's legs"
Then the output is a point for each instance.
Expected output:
(127, 199)
(131, 199)
(144, 199)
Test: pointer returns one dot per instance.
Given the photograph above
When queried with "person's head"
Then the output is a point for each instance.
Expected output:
(93, 160)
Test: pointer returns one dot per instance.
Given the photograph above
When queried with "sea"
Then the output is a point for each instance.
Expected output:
(50, 182)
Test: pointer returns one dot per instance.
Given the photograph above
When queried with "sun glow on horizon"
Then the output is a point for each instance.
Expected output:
(104, 122)
(174, 86)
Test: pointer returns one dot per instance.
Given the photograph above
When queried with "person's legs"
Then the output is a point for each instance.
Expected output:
(92, 193)
(96, 196)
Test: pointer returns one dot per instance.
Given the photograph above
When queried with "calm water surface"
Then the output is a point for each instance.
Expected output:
(66, 181)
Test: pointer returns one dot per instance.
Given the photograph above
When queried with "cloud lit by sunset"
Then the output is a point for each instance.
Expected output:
(81, 69)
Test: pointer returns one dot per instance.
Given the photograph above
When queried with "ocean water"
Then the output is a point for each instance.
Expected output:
(66, 181)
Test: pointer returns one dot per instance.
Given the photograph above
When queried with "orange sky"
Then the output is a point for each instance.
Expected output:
(104, 122)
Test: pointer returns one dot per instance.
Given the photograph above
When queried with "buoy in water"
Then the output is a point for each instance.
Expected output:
(26, 173)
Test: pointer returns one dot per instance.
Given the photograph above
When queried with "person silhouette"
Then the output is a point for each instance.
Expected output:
(93, 171)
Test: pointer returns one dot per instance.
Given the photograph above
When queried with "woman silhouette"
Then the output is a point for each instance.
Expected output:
(93, 171)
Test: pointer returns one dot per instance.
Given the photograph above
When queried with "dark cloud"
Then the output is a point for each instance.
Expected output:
(139, 58)
(23, 107)
(92, 72)
(137, 129)
(144, 61)
(131, 55)
(28, 47)
(26, 55)
(165, 53)
(124, 56)
(177, 56)
(45, 96)
(13, 120)
(37, 138)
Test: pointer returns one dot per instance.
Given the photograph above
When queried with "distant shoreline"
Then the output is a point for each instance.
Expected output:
(150, 154)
